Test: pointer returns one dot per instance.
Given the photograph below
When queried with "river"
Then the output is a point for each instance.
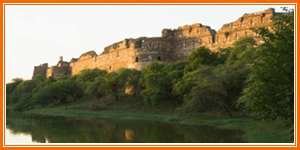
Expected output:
(44, 129)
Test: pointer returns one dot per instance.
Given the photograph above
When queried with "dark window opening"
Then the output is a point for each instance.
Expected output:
(137, 59)
(158, 58)
(66, 74)
(109, 67)
(242, 19)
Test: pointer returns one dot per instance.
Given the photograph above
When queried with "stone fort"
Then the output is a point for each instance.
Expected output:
(173, 45)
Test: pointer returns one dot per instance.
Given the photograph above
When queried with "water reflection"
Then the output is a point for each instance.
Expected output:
(74, 130)
(15, 138)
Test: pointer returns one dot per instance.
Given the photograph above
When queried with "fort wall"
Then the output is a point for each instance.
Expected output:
(173, 45)
(58, 71)
(41, 69)
(231, 32)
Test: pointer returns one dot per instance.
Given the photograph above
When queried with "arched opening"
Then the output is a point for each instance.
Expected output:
(158, 58)
(109, 68)
(245, 33)
(136, 59)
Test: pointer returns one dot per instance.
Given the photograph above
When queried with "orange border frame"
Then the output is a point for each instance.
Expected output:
(149, 2)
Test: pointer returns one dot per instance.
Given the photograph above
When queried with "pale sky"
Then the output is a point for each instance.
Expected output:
(40, 34)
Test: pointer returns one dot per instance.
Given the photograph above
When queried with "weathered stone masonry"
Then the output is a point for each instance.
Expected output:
(174, 45)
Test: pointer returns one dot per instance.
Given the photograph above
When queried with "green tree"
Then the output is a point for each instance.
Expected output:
(175, 70)
(204, 56)
(87, 77)
(130, 79)
(202, 90)
(158, 80)
(233, 81)
(41, 81)
(10, 87)
(98, 88)
(57, 93)
(21, 97)
(157, 85)
(242, 53)
(22, 88)
(270, 89)
(114, 85)
(25, 102)
(27, 86)
(225, 80)
(12, 91)
(237, 67)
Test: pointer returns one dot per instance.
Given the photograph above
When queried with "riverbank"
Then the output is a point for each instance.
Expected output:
(135, 109)
(254, 131)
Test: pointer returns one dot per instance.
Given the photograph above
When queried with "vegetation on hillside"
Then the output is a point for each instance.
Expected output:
(257, 80)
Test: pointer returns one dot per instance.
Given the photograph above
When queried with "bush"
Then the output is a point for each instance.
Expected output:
(96, 107)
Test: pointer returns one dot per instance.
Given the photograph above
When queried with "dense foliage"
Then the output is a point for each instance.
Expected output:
(158, 79)
(270, 90)
(42, 92)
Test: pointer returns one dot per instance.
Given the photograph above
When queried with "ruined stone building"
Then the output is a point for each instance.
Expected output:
(173, 45)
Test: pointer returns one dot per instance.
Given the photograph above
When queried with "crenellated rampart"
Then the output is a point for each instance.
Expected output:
(173, 45)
